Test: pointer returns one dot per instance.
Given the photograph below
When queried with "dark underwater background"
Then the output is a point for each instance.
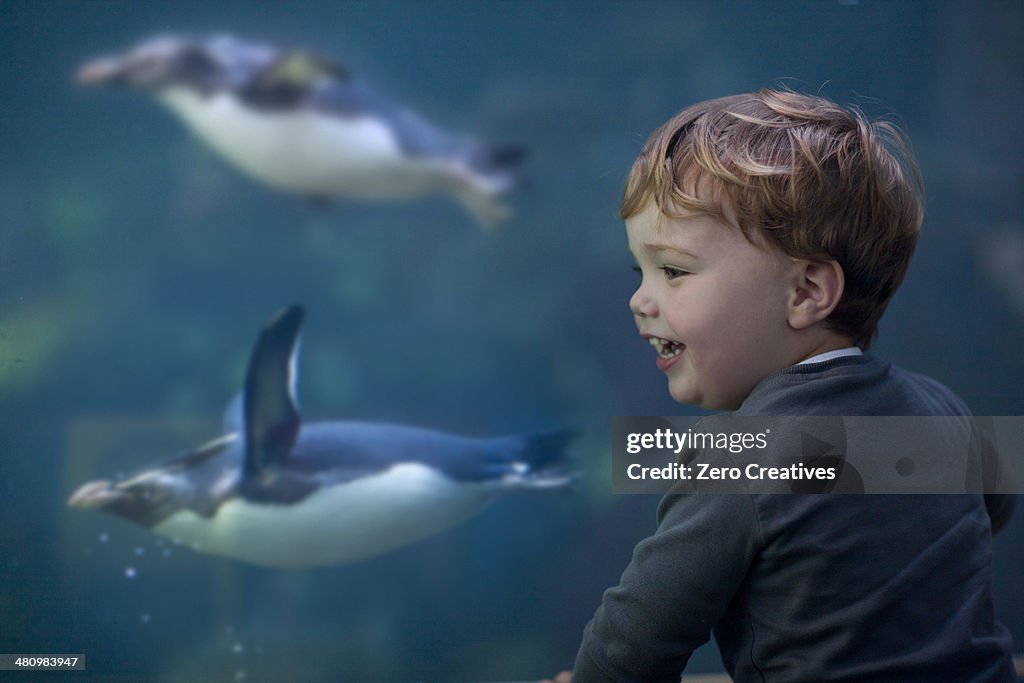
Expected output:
(136, 269)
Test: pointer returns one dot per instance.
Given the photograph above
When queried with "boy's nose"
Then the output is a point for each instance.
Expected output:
(642, 305)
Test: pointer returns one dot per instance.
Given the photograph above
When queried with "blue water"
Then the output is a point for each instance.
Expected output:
(136, 269)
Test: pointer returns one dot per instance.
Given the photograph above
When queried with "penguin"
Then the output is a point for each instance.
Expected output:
(301, 123)
(277, 492)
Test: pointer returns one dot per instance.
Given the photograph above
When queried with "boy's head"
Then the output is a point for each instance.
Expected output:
(771, 224)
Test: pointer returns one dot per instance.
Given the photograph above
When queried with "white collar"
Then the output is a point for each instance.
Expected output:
(829, 355)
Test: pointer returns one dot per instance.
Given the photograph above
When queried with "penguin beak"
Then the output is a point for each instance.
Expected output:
(101, 71)
(95, 495)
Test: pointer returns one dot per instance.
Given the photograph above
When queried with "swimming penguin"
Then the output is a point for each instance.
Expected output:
(301, 123)
(276, 492)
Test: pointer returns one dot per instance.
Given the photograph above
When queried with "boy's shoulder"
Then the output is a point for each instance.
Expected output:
(851, 385)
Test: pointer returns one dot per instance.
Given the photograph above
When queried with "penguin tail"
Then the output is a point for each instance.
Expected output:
(501, 157)
(546, 458)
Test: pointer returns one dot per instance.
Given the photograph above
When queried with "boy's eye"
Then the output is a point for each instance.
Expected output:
(671, 273)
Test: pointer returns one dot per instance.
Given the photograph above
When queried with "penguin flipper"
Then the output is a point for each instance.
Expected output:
(271, 418)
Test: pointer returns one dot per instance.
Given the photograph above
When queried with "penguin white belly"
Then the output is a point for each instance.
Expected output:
(308, 152)
(336, 524)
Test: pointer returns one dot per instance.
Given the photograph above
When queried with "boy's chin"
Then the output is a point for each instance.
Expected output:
(682, 392)
(685, 393)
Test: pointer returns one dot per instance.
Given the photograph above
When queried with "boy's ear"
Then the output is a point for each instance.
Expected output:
(819, 287)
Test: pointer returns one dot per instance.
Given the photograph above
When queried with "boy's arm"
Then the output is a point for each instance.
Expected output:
(679, 583)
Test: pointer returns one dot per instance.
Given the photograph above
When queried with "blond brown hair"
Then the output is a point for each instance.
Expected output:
(816, 180)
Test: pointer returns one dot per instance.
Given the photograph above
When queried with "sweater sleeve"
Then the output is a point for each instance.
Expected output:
(677, 586)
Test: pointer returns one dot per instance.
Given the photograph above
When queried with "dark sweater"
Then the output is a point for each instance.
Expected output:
(812, 587)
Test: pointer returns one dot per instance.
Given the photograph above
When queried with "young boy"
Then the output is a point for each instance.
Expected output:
(771, 230)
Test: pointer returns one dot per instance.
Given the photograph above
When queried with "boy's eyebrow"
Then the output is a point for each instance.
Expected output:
(658, 248)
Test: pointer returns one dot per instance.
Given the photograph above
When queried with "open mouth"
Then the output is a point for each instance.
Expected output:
(667, 348)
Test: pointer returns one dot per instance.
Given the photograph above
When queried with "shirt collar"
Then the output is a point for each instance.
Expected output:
(829, 355)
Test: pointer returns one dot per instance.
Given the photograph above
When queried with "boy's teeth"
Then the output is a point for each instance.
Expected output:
(666, 348)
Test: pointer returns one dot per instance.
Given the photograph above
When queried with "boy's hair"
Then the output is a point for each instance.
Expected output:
(819, 181)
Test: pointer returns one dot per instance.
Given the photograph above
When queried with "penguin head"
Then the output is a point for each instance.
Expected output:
(144, 499)
(198, 479)
(169, 60)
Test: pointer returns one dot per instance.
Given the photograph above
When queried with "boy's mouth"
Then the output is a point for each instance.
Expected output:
(666, 348)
